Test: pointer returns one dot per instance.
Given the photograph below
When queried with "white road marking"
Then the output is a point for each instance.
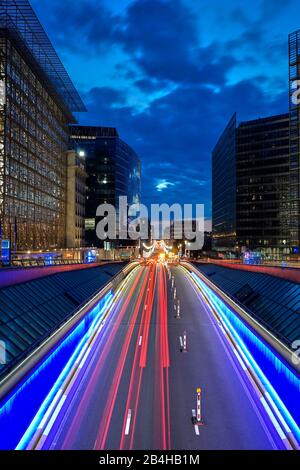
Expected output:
(54, 416)
(239, 359)
(140, 341)
(272, 418)
(128, 423)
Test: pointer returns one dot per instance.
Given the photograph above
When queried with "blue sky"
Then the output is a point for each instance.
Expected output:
(170, 73)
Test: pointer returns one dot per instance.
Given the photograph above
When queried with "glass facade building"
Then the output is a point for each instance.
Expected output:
(37, 101)
(261, 160)
(113, 170)
(294, 113)
(262, 175)
(251, 186)
(224, 189)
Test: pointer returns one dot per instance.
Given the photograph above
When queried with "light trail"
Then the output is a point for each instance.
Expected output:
(110, 404)
(133, 398)
(79, 415)
(162, 365)
(69, 376)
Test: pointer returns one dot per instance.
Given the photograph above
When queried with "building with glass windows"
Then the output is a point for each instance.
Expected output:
(294, 115)
(256, 178)
(224, 189)
(37, 102)
(251, 187)
(262, 185)
(113, 170)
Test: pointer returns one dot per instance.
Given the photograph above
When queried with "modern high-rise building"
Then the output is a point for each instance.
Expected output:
(256, 178)
(113, 170)
(224, 189)
(251, 187)
(37, 102)
(294, 114)
(262, 185)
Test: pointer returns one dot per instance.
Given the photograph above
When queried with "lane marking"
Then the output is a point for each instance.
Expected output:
(128, 423)
(272, 417)
(240, 360)
(140, 341)
(54, 416)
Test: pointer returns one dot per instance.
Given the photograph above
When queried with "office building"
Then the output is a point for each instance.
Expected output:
(294, 115)
(113, 170)
(251, 187)
(256, 179)
(262, 185)
(76, 190)
(224, 189)
(37, 102)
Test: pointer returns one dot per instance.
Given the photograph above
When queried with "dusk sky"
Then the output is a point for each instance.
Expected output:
(170, 73)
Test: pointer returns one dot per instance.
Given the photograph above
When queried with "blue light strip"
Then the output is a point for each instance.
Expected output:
(281, 375)
(18, 408)
(46, 403)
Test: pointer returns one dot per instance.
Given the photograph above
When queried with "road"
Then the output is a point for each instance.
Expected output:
(135, 389)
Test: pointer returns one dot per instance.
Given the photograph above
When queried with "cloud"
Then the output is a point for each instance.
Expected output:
(82, 26)
(163, 184)
(176, 134)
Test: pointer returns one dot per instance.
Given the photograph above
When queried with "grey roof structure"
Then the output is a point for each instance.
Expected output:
(30, 311)
(274, 302)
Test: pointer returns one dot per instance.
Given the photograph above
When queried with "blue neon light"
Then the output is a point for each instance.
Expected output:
(19, 408)
(279, 380)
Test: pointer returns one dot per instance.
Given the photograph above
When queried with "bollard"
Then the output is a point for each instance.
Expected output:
(184, 342)
(199, 417)
(178, 308)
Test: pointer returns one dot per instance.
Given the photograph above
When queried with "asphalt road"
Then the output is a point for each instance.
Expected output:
(135, 389)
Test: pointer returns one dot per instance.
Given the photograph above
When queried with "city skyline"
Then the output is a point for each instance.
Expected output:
(125, 82)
